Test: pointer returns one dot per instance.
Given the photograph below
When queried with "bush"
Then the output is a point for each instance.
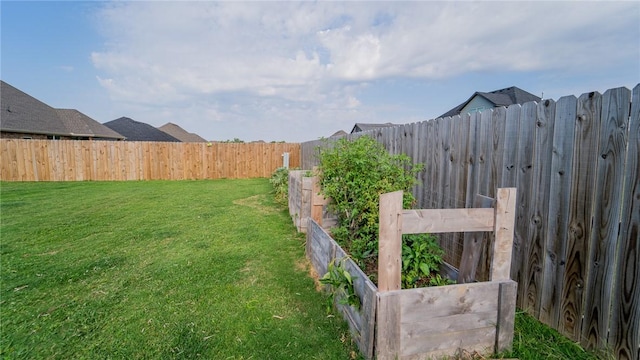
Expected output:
(280, 182)
(354, 174)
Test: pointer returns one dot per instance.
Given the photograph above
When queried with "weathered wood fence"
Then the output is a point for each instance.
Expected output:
(78, 160)
(575, 163)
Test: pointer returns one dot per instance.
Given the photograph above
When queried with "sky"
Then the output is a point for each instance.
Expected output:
(299, 71)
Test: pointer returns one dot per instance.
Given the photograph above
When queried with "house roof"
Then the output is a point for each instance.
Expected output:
(365, 127)
(138, 131)
(80, 124)
(339, 133)
(180, 133)
(23, 113)
(503, 97)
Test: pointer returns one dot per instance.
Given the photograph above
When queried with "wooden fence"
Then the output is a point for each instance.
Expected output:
(78, 160)
(575, 163)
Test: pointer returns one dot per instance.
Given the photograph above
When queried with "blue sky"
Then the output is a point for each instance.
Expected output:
(298, 71)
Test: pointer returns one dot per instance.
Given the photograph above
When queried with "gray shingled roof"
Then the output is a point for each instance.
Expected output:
(138, 131)
(81, 125)
(23, 113)
(366, 127)
(180, 133)
(503, 97)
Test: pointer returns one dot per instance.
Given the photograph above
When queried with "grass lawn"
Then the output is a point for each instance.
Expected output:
(208, 269)
(131, 270)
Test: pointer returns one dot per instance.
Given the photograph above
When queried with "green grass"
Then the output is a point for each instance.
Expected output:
(174, 270)
(141, 270)
(533, 340)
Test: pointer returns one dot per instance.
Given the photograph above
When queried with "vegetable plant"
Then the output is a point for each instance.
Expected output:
(341, 284)
(280, 182)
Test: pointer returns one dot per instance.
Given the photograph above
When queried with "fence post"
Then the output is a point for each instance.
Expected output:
(317, 201)
(390, 242)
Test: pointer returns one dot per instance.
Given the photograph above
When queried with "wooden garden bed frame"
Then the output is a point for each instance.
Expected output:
(428, 322)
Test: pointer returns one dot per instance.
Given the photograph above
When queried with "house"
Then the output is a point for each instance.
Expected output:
(24, 117)
(138, 131)
(180, 133)
(358, 127)
(339, 133)
(480, 101)
(83, 127)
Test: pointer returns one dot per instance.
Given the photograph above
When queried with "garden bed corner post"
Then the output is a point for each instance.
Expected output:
(389, 276)
(390, 242)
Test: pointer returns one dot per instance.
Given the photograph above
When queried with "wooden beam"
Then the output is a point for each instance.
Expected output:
(447, 220)
(317, 201)
(504, 227)
(390, 242)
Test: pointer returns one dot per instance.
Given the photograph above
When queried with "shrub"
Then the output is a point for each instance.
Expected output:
(354, 174)
(280, 182)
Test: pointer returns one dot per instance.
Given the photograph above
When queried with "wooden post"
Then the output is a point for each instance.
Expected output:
(390, 242)
(504, 226)
(317, 201)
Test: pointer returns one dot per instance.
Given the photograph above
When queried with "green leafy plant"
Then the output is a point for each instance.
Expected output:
(341, 284)
(421, 259)
(280, 182)
(354, 174)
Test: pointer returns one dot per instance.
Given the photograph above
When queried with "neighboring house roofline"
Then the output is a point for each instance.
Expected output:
(502, 97)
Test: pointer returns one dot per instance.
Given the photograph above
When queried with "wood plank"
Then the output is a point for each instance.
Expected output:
(486, 181)
(507, 295)
(445, 344)
(473, 143)
(539, 203)
(423, 305)
(388, 323)
(366, 292)
(461, 139)
(390, 241)
(624, 336)
(558, 213)
(524, 178)
(581, 203)
(434, 221)
(612, 146)
(446, 239)
(317, 201)
(504, 229)
(417, 331)
(431, 168)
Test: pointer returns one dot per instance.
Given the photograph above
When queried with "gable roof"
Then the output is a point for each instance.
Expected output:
(358, 127)
(138, 131)
(81, 125)
(180, 133)
(23, 113)
(339, 133)
(503, 97)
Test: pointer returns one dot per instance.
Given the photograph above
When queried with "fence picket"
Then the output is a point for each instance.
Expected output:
(611, 153)
(624, 336)
(524, 177)
(580, 207)
(540, 193)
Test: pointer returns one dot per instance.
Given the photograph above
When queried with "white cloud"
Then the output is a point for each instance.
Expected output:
(291, 61)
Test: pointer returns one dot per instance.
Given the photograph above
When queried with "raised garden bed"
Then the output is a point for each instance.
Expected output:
(305, 201)
(429, 322)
